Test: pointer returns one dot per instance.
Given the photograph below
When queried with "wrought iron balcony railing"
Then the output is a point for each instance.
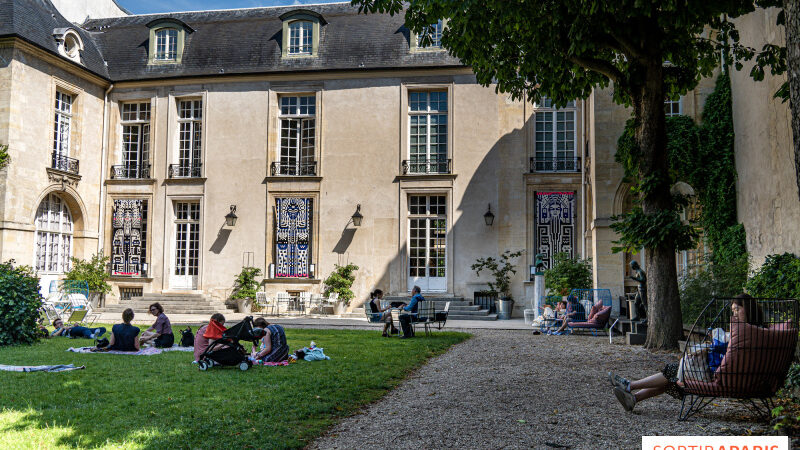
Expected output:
(570, 164)
(307, 169)
(65, 163)
(130, 172)
(184, 171)
(425, 166)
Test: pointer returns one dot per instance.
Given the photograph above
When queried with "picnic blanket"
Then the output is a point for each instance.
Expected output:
(50, 368)
(143, 352)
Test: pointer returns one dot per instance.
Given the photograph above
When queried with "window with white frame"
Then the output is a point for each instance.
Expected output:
(297, 136)
(435, 32)
(427, 239)
(673, 107)
(555, 141)
(166, 44)
(190, 139)
(427, 133)
(135, 141)
(187, 238)
(301, 37)
(692, 260)
(62, 124)
(53, 235)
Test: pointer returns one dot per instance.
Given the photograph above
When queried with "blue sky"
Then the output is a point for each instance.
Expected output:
(158, 6)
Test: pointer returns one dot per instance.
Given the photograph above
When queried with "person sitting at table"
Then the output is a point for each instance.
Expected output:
(161, 331)
(76, 331)
(207, 333)
(381, 314)
(123, 335)
(273, 347)
(408, 313)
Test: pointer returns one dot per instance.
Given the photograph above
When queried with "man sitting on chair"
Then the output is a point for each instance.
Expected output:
(76, 331)
(409, 313)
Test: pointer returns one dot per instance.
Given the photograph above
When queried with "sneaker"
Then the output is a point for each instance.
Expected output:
(620, 382)
(626, 399)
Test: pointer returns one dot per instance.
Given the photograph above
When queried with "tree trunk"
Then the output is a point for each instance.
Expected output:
(664, 324)
(791, 9)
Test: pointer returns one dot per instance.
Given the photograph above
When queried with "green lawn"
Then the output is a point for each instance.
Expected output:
(164, 401)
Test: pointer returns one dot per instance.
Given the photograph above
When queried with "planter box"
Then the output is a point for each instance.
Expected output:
(486, 300)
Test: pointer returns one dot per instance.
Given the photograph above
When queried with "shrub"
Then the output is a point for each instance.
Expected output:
(93, 272)
(340, 281)
(246, 284)
(19, 303)
(500, 269)
(716, 280)
(567, 274)
(778, 277)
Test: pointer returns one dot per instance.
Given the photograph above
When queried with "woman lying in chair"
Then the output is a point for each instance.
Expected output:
(744, 309)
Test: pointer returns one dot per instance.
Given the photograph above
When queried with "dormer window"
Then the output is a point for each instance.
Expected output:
(434, 32)
(301, 32)
(167, 41)
(301, 37)
(69, 43)
(166, 44)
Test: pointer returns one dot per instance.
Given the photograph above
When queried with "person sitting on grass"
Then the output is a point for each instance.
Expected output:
(744, 308)
(273, 347)
(160, 334)
(76, 331)
(381, 314)
(207, 333)
(123, 335)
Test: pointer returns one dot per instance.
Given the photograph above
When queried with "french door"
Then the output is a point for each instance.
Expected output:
(427, 242)
(186, 246)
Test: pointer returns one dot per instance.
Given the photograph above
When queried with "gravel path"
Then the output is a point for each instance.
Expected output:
(509, 389)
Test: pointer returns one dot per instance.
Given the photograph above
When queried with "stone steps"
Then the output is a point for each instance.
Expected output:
(172, 304)
(460, 308)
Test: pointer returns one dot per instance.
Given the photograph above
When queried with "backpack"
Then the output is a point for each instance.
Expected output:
(187, 338)
(101, 343)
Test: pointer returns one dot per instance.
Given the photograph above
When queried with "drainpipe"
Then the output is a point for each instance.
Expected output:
(103, 161)
(583, 181)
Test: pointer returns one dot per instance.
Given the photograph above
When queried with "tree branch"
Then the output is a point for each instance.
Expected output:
(600, 66)
(628, 46)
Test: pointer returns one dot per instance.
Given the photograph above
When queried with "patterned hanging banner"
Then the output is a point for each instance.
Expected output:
(126, 248)
(555, 224)
(293, 237)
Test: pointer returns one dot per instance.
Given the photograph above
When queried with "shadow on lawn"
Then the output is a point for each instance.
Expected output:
(164, 401)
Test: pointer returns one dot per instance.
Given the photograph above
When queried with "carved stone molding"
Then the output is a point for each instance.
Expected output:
(63, 178)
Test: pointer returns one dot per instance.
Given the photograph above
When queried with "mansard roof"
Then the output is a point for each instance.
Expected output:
(246, 41)
(34, 21)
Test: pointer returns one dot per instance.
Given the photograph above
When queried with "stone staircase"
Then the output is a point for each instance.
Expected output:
(460, 308)
(172, 303)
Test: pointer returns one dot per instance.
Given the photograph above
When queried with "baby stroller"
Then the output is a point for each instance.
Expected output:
(227, 351)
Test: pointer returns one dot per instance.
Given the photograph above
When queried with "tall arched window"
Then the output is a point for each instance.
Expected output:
(53, 235)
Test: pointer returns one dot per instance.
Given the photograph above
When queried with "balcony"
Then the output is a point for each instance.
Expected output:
(422, 166)
(65, 164)
(184, 171)
(130, 172)
(306, 169)
(570, 164)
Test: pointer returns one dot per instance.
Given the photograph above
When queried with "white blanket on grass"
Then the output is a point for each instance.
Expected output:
(146, 352)
(49, 368)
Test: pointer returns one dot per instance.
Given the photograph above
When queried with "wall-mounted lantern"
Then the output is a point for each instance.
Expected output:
(230, 218)
(489, 217)
(357, 217)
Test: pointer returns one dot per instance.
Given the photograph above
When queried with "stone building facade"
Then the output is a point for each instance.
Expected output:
(136, 136)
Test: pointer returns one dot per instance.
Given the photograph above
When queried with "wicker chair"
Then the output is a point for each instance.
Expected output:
(738, 360)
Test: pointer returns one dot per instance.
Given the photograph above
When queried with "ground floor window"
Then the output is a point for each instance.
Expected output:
(53, 235)
(129, 231)
(427, 242)
(186, 245)
(554, 224)
(293, 220)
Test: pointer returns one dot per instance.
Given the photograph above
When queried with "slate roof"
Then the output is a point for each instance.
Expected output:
(246, 41)
(34, 22)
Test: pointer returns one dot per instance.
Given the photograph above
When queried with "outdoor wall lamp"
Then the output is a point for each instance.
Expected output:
(357, 217)
(489, 217)
(230, 218)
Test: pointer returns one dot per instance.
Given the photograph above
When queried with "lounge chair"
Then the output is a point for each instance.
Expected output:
(597, 320)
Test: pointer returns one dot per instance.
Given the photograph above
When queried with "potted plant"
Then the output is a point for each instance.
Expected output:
(340, 281)
(94, 273)
(246, 288)
(568, 273)
(501, 269)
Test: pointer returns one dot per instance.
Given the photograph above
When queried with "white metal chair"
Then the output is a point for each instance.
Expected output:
(305, 302)
(265, 303)
(283, 301)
